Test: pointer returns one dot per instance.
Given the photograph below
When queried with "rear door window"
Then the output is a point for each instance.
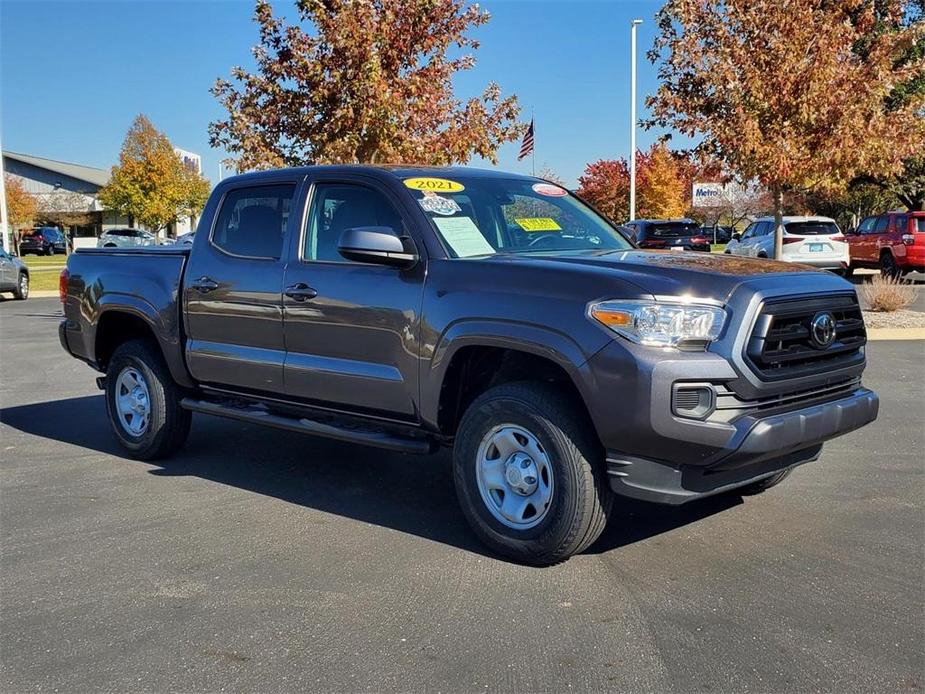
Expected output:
(252, 221)
(901, 223)
(883, 222)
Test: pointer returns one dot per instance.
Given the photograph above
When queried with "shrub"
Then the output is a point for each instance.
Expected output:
(888, 294)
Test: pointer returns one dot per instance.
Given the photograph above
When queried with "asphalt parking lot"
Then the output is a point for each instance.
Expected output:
(262, 560)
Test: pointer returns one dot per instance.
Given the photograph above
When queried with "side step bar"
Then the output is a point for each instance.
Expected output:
(259, 415)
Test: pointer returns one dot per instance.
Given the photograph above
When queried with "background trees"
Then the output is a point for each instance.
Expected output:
(150, 182)
(663, 184)
(780, 93)
(365, 82)
(21, 207)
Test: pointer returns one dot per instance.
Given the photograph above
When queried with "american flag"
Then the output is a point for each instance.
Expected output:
(526, 147)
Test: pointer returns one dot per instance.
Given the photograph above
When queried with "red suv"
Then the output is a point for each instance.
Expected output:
(893, 242)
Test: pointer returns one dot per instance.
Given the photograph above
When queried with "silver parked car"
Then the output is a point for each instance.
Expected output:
(14, 275)
(126, 238)
(813, 241)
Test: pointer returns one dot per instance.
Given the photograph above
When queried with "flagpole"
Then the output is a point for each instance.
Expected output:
(533, 123)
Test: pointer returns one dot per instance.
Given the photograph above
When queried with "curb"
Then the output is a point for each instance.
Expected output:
(896, 333)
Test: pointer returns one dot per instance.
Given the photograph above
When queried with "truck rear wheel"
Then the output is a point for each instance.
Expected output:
(143, 402)
(528, 473)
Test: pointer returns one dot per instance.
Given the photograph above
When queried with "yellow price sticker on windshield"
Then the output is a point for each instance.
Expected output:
(538, 224)
(435, 185)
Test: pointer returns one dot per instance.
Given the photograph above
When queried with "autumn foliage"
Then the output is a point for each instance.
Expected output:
(662, 185)
(21, 206)
(780, 93)
(363, 82)
(151, 183)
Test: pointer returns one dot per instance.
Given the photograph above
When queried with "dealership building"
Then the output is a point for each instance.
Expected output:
(67, 194)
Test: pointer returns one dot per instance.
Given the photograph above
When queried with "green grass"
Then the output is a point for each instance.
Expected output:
(41, 281)
(34, 262)
(717, 247)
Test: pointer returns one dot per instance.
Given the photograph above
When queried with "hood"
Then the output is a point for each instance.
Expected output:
(670, 273)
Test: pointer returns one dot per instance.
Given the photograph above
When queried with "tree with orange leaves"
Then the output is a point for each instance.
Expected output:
(364, 82)
(606, 185)
(780, 94)
(21, 206)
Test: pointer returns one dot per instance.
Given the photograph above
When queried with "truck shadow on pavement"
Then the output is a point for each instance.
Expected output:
(412, 494)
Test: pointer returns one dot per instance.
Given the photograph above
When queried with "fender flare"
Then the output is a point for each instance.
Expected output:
(166, 330)
(530, 338)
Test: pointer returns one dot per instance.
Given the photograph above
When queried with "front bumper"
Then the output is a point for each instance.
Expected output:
(660, 449)
(761, 447)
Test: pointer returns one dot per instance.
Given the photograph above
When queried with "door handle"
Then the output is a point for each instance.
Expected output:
(300, 292)
(204, 284)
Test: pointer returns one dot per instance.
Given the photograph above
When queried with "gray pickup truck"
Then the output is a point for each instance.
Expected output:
(497, 314)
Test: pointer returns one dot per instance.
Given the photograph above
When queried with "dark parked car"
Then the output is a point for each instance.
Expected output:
(492, 313)
(674, 234)
(43, 241)
(718, 234)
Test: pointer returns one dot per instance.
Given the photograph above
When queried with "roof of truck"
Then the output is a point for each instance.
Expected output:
(398, 170)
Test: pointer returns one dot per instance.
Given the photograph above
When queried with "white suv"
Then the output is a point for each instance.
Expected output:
(126, 238)
(815, 241)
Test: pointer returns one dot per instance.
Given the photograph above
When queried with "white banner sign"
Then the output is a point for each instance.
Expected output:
(708, 194)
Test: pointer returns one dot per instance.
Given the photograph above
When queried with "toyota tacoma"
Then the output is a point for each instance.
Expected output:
(495, 314)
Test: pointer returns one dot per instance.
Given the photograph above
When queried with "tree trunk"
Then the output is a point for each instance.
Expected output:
(778, 221)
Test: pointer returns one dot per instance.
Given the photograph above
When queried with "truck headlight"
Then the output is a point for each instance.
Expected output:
(661, 323)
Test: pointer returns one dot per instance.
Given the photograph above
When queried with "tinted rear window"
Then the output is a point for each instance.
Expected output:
(812, 228)
(920, 224)
(674, 229)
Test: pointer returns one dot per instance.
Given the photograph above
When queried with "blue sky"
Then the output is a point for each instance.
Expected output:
(74, 74)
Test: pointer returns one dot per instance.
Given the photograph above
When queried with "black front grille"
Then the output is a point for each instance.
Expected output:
(782, 345)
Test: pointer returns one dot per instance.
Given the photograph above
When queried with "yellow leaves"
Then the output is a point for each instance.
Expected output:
(21, 206)
(151, 183)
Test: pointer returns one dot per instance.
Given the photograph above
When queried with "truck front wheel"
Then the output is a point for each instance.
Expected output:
(528, 473)
(143, 402)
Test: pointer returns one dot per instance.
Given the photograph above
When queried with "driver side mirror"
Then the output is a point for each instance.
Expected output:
(737, 236)
(378, 245)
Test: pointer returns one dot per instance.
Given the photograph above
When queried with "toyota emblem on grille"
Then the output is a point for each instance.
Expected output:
(822, 329)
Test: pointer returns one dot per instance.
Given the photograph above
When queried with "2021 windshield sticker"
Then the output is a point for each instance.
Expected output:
(531, 224)
(435, 185)
(433, 203)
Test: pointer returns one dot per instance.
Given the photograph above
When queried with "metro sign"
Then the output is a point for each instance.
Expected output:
(708, 194)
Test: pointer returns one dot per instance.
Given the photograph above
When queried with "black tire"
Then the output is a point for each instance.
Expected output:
(581, 499)
(888, 267)
(22, 287)
(847, 272)
(763, 485)
(168, 423)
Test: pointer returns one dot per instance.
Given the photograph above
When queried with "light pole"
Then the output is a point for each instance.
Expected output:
(636, 22)
(5, 229)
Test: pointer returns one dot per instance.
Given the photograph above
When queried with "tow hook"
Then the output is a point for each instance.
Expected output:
(101, 382)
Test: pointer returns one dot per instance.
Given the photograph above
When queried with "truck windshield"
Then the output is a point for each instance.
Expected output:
(479, 216)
